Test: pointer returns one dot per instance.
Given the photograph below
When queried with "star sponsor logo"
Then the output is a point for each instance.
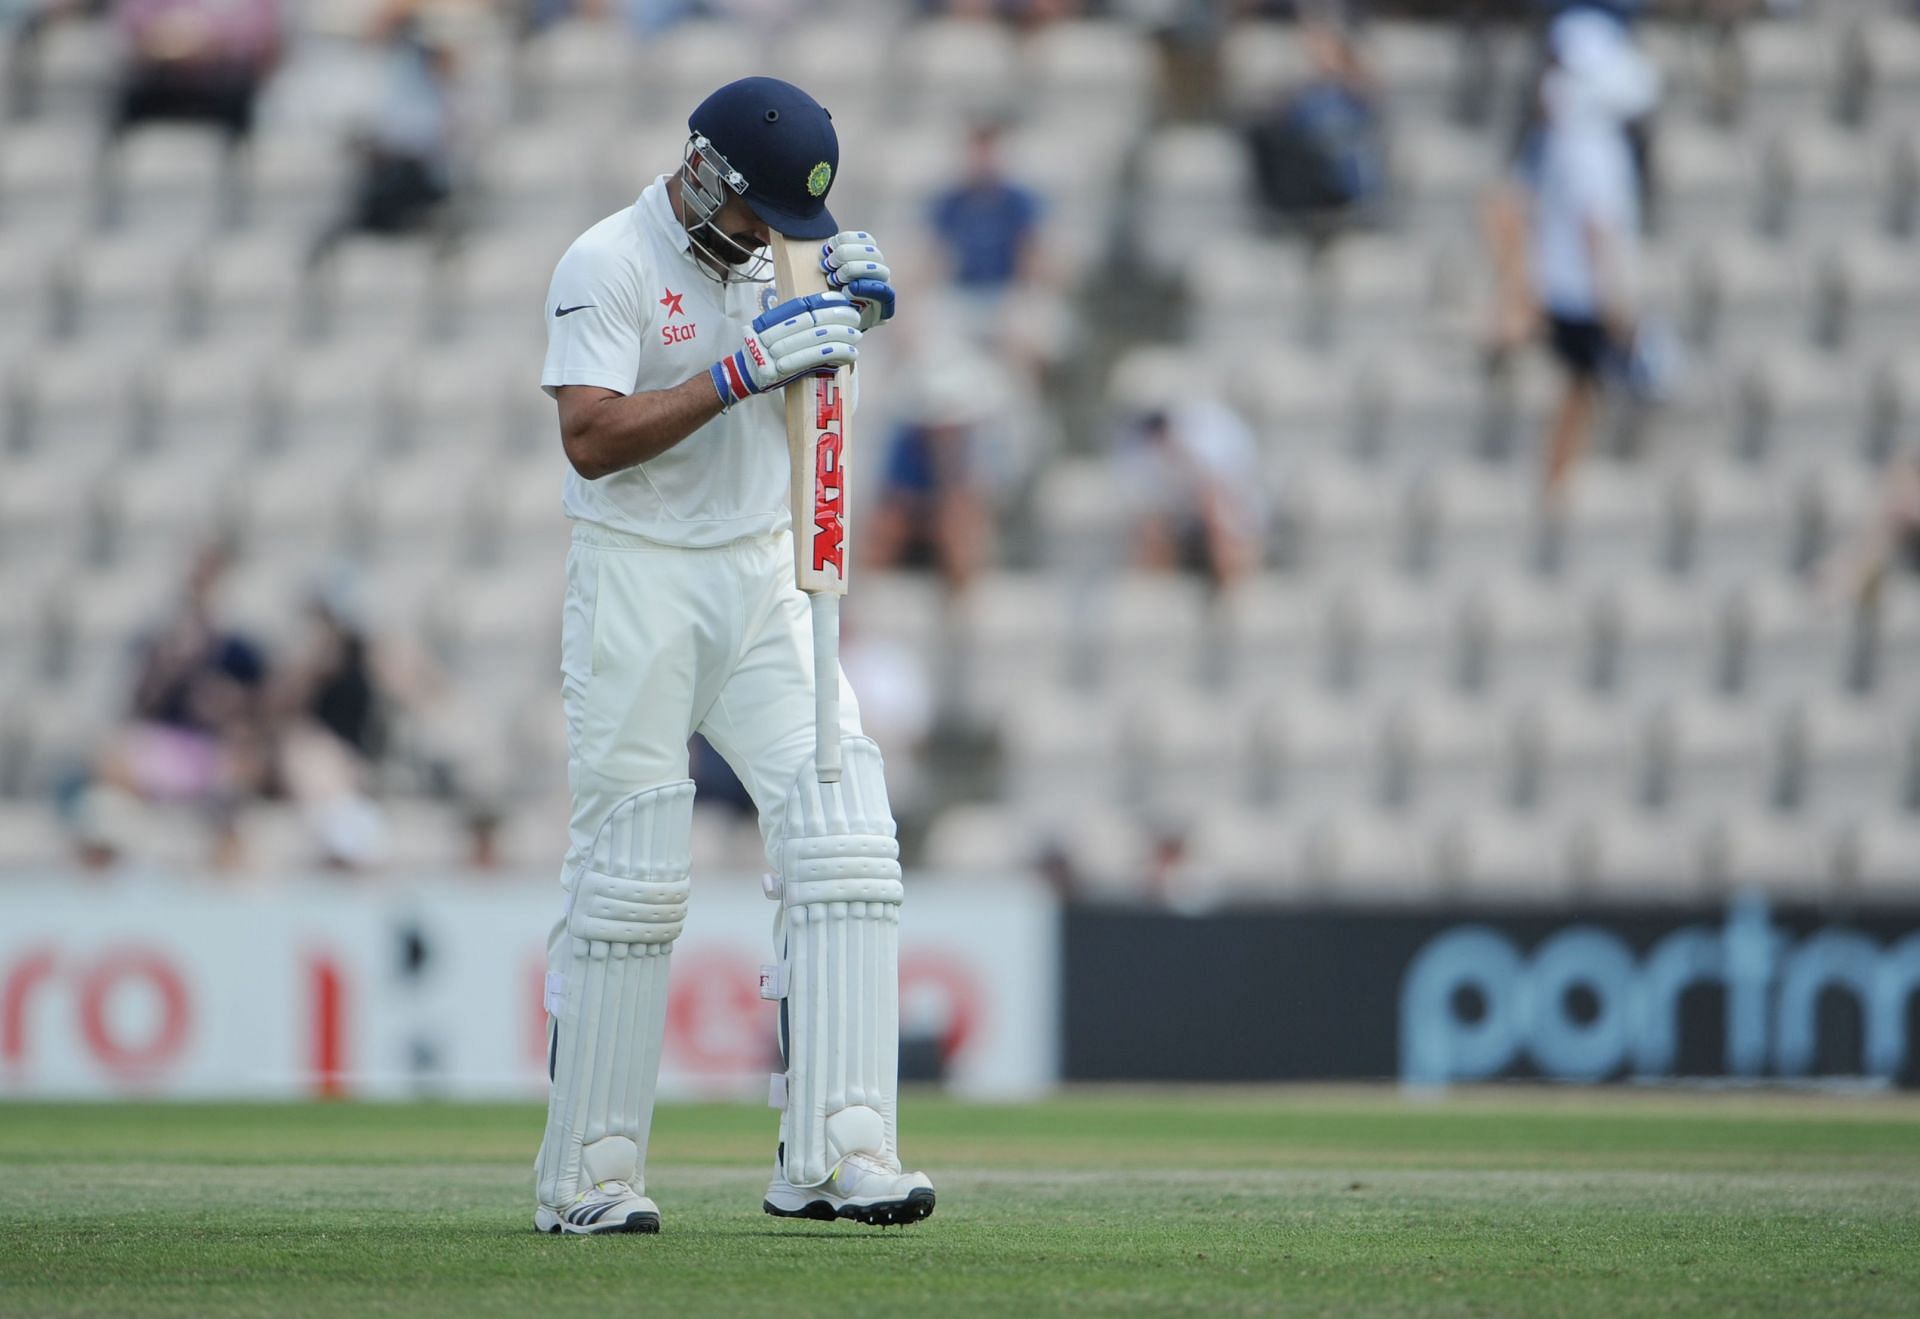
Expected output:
(671, 301)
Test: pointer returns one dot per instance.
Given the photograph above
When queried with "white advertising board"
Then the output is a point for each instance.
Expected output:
(435, 989)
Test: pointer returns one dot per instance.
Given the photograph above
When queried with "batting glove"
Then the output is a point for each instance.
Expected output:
(853, 262)
(821, 330)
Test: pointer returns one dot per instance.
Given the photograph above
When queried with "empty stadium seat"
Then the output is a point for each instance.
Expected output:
(297, 500)
(1066, 751)
(1475, 521)
(1759, 298)
(956, 68)
(1422, 413)
(1582, 753)
(127, 295)
(1199, 752)
(294, 183)
(1338, 515)
(1629, 856)
(1192, 179)
(1370, 857)
(171, 181)
(1709, 184)
(253, 290)
(1658, 639)
(48, 174)
(1097, 69)
(1615, 521)
(1709, 757)
(1442, 173)
(1881, 297)
(1147, 631)
(1739, 524)
(1462, 756)
(1882, 856)
(1087, 512)
(1012, 633)
(379, 290)
(49, 508)
(337, 398)
(1850, 760)
(1791, 644)
(68, 405)
(1327, 753)
(583, 71)
(160, 507)
(1786, 859)
(1505, 859)
(1803, 410)
(1526, 639)
(1259, 61)
(1788, 72)
(1275, 632)
(1392, 634)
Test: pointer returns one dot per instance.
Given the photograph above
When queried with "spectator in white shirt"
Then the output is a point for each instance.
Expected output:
(1578, 204)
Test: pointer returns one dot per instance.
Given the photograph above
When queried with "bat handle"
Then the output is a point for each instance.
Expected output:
(826, 685)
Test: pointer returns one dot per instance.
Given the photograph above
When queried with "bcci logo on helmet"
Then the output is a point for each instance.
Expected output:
(818, 178)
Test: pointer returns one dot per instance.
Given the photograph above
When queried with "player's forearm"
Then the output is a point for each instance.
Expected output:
(625, 430)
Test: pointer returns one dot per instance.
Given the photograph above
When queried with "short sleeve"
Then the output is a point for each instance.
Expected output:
(595, 324)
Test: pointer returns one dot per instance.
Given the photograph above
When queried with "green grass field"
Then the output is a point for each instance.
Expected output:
(1303, 1201)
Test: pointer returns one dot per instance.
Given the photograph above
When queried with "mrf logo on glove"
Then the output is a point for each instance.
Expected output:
(818, 332)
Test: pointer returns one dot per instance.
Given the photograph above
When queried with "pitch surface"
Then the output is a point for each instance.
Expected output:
(1310, 1201)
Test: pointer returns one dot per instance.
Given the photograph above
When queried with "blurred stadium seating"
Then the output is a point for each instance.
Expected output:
(1430, 688)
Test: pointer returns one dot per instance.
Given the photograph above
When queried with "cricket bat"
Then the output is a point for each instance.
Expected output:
(819, 419)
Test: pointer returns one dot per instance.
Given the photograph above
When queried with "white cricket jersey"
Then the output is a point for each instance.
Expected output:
(630, 309)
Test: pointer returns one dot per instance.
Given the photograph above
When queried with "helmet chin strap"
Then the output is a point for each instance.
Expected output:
(704, 173)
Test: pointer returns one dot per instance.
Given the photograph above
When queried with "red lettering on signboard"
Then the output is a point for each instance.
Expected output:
(124, 967)
(31, 971)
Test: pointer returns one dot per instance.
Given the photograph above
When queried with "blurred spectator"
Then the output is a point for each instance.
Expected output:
(1575, 214)
(197, 732)
(942, 476)
(1319, 154)
(1889, 542)
(196, 60)
(1193, 471)
(405, 150)
(330, 731)
(987, 223)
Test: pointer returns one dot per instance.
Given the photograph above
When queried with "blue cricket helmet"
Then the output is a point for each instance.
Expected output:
(780, 143)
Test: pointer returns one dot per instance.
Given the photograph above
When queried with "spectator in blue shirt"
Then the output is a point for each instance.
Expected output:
(987, 223)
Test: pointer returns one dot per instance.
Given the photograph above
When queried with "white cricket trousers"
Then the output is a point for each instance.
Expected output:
(660, 642)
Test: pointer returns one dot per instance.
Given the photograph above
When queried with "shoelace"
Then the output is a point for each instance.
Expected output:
(615, 1190)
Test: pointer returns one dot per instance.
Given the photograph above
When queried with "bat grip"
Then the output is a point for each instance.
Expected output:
(826, 685)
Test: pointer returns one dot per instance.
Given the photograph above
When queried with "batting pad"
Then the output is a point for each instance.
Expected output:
(607, 993)
(840, 898)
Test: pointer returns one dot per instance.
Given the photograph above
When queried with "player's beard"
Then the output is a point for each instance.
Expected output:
(732, 250)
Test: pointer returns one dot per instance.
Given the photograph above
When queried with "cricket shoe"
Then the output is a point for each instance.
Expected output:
(608, 1207)
(861, 1188)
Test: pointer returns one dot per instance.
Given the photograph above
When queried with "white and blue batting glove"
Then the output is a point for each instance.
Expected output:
(853, 262)
(798, 336)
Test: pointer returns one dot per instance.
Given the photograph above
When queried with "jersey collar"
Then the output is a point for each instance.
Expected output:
(653, 210)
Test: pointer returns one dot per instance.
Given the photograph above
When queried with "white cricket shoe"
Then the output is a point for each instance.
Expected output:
(861, 1188)
(608, 1207)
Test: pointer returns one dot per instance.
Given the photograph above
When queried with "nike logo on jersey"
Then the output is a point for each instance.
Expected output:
(568, 311)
